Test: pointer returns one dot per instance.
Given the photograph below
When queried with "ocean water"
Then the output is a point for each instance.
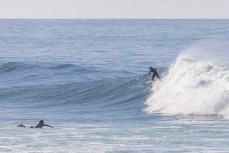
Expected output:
(88, 79)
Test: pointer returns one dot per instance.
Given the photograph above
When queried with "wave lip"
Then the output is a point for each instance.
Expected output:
(191, 87)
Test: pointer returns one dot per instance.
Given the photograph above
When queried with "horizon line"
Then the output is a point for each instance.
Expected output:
(114, 18)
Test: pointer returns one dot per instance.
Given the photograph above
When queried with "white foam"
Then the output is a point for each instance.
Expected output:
(191, 87)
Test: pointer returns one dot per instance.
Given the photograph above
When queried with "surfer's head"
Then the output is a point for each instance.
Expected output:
(150, 67)
(41, 122)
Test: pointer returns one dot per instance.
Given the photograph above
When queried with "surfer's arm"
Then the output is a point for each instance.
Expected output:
(149, 72)
(48, 125)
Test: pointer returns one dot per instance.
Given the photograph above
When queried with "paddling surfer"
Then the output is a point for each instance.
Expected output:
(39, 125)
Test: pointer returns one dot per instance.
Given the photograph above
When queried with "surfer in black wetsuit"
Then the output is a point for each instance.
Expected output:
(155, 73)
(40, 125)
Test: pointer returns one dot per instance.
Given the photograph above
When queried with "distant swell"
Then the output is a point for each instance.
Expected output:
(191, 87)
(62, 66)
(11, 66)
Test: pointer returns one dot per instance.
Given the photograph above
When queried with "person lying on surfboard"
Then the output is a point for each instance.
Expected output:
(155, 73)
(40, 125)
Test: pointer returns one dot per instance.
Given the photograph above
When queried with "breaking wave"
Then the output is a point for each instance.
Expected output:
(196, 87)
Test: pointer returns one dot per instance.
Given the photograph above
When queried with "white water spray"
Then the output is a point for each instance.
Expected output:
(191, 87)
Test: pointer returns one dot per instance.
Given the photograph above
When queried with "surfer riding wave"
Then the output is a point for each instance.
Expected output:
(155, 73)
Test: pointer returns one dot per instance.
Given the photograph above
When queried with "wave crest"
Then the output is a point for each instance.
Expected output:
(191, 87)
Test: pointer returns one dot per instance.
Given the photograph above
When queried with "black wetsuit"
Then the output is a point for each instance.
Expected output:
(155, 73)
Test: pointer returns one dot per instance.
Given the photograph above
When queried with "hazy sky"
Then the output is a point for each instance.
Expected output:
(114, 9)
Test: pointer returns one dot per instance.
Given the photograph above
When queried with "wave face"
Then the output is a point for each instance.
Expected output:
(70, 86)
(191, 87)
